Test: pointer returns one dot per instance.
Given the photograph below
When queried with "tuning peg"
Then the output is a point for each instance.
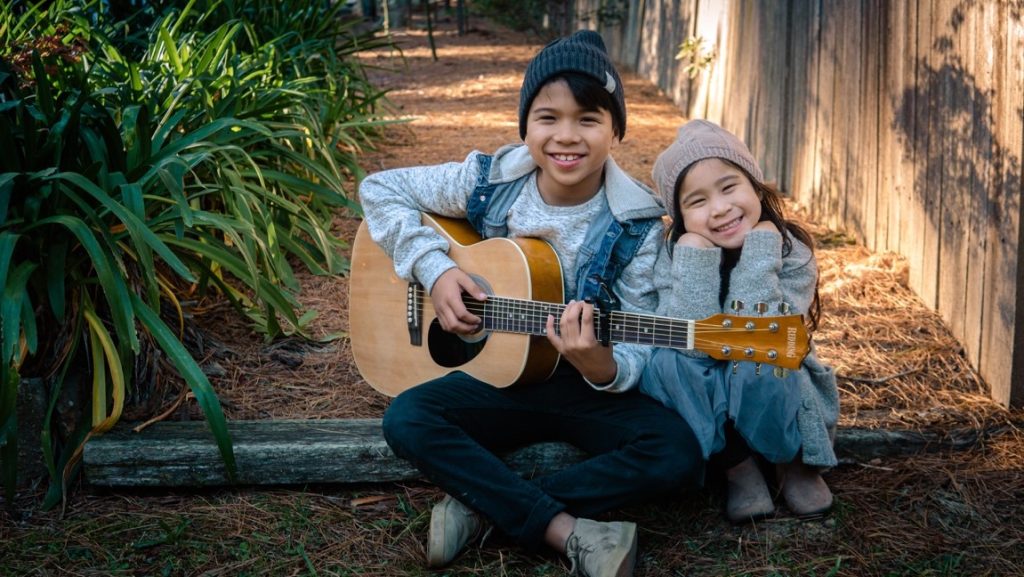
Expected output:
(735, 367)
(784, 308)
(761, 308)
(757, 369)
(780, 372)
(736, 305)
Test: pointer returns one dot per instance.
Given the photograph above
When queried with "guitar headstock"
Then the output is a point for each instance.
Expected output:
(781, 341)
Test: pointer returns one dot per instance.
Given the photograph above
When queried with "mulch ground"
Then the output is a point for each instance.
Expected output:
(959, 513)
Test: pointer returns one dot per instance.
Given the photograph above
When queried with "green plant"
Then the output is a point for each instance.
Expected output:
(700, 59)
(213, 161)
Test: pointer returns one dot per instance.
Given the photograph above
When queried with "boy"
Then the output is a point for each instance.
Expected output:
(563, 187)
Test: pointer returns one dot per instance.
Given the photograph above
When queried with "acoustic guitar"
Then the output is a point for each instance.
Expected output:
(398, 343)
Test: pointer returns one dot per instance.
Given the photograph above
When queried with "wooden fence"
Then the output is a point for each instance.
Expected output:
(899, 122)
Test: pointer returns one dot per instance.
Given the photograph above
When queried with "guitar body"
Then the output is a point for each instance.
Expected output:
(393, 354)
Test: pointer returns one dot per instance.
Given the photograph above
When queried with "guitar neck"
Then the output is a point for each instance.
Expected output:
(510, 315)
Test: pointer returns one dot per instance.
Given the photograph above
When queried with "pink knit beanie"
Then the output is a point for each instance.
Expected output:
(697, 140)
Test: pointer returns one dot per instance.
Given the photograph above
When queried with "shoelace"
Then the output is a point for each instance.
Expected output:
(575, 554)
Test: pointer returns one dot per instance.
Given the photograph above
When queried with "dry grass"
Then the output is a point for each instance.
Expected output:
(948, 514)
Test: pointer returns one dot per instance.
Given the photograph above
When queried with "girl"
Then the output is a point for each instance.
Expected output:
(729, 249)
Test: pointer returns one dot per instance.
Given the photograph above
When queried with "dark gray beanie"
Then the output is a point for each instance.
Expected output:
(582, 52)
(697, 140)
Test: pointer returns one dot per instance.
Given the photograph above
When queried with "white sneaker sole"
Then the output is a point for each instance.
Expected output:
(436, 544)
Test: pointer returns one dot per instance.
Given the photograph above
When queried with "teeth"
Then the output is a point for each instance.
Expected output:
(566, 157)
(728, 225)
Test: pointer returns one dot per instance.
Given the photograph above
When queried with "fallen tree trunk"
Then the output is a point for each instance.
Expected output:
(291, 452)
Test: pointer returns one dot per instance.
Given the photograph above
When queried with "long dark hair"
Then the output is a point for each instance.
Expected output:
(771, 210)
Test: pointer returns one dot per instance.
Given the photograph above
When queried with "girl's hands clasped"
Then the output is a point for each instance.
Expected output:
(577, 342)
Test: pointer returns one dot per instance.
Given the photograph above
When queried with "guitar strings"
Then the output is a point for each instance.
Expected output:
(530, 317)
(524, 316)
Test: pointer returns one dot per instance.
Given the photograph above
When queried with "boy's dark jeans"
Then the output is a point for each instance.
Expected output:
(449, 427)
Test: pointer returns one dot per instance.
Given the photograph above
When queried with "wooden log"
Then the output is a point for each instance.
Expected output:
(297, 452)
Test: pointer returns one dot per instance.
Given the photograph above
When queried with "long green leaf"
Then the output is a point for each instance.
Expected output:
(136, 228)
(14, 295)
(6, 189)
(196, 379)
(171, 49)
(9, 379)
(8, 241)
(264, 289)
(114, 288)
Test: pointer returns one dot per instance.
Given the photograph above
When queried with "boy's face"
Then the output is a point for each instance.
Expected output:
(569, 145)
(718, 202)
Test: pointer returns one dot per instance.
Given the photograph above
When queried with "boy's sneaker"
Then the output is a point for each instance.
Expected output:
(452, 526)
(602, 549)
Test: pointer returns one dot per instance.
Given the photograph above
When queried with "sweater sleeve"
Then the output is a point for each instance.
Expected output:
(763, 275)
(688, 283)
(393, 201)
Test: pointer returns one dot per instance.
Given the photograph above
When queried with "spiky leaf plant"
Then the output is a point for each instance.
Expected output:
(198, 153)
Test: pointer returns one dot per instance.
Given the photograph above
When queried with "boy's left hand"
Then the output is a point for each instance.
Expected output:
(577, 342)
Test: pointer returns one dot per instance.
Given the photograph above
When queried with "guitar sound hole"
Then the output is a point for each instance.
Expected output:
(451, 350)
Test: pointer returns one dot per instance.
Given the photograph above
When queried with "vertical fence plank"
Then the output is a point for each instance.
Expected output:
(937, 97)
(869, 166)
(851, 187)
(950, 128)
(825, 115)
(711, 27)
(981, 63)
(892, 44)
(768, 112)
(797, 125)
(922, 272)
(907, 116)
(742, 63)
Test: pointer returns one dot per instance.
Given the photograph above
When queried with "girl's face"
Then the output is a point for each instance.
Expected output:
(569, 144)
(718, 202)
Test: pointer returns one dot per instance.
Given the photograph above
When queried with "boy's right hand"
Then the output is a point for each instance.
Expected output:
(448, 306)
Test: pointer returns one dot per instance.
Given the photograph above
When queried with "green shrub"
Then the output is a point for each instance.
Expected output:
(204, 151)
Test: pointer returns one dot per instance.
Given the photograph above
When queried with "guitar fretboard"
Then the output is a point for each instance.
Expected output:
(510, 315)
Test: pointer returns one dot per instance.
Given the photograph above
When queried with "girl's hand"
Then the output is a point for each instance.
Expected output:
(694, 240)
(451, 312)
(577, 342)
(766, 225)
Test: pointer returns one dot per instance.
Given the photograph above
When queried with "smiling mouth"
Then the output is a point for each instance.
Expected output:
(729, 226)
(566, 157)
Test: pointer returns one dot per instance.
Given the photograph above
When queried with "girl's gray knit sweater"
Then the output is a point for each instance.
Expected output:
(394, 199)
(762, 274)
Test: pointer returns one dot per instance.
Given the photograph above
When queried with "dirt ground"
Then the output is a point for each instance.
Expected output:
(958, 513)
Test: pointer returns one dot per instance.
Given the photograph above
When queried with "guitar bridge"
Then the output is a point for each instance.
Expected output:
(414, 313)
